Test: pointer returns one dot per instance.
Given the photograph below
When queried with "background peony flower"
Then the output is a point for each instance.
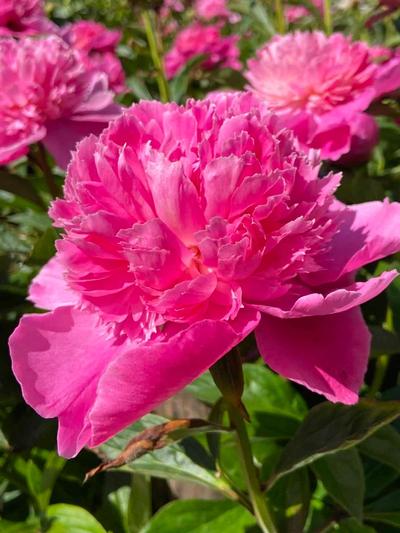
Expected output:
(24, 17)
(209, 9)
(294, 13)
(198, 39)
(321, 86)
(48, 94)
(97, 46)
(186, 228)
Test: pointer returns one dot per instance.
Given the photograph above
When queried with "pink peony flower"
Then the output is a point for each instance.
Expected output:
(294, 13)
(24, 17)
(97, 46)
(48, 94)
(185, 229)
(198, 39)
(321, 86)
(209, 9)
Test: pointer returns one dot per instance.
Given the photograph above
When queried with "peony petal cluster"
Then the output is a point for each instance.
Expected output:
(23, 17)
(322, 86)
(97, 47)
(47, 94)
(186, 228)
(197, 39)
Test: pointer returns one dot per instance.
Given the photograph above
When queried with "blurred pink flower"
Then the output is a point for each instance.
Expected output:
(185, 229)
(321, 86)
(294, 13)
(209, 9)
(197, 39)
(24, 17)
(97, 46)
(47, 94)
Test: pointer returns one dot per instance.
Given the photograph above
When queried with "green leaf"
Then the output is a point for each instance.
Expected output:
(350, 525)
(384, 342)
(290, 499)
(179, 85)
(200, 516)
(383, 446)
(342, 475)
(52, 468)
(139, 510)
(139, 88)
(385, 510)
(21, 187)
(66, 518)
(44, 247)
(332, 427)
(377, 478)
(30, 526)
(170, 462)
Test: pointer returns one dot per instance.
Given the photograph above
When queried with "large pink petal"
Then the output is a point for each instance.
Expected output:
(368, 232)
(70, 367)
(141, 378)
(49, 289)
(335, 301)
(327, 354)
(57, 358)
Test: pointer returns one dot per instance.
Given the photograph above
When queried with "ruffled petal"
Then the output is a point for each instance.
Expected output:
(327, 354)
(328, 303)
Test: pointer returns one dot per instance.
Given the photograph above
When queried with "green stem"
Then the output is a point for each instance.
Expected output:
(280, 16)
(382, 361)
(327, 16)
(156, 56)
(257, 498)
(39, 157)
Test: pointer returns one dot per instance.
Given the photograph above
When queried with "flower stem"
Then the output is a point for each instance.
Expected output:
(280, 17)
(382, 361)
(257, 498)
(39, 157)
(327, 16)
(156, 56)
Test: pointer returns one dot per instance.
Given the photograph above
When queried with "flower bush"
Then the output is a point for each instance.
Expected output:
(199, 258)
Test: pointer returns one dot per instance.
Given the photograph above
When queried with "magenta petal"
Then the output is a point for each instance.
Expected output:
(368, 232)
(327, 354)
(336, 301)
(147, 374)
(49, 289)
(64, 134)
(57, 358)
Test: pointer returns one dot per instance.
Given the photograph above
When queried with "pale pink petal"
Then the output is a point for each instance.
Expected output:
(49, 289)
(327, 354)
